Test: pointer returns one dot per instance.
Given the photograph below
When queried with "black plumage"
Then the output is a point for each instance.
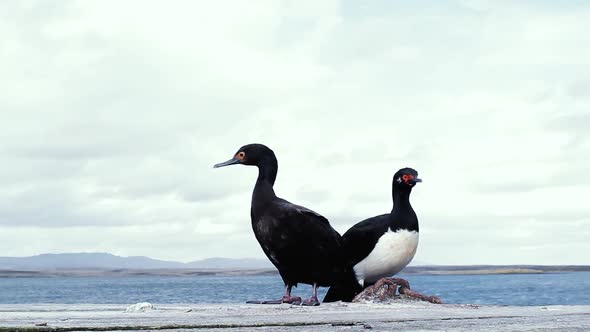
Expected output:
(299, 242)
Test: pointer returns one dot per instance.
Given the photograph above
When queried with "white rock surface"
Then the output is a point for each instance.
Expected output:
(406, 316)
(140, 307)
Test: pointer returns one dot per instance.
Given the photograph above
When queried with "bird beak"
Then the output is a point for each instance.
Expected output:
(232, 161)
(415, 180)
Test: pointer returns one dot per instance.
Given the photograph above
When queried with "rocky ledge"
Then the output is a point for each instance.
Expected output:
(404, 314)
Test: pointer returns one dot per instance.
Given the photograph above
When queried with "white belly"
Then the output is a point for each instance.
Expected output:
(393, 252)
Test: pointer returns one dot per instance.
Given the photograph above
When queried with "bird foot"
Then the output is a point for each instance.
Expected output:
(385, 289)
(286, 299)
(292, 300)
(311, 302)
(382, 290)
(397, 281)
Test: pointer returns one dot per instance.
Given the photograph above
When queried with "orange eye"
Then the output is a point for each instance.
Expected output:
(407, 177)
(241, 155)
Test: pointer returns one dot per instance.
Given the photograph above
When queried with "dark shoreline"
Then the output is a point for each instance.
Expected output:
(410, 270)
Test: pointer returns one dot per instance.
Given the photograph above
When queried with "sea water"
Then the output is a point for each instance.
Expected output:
(509, 289)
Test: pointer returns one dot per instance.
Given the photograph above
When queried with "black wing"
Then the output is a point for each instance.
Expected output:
(306, 224)
(360, 239)
(357, 243)
(301, 243)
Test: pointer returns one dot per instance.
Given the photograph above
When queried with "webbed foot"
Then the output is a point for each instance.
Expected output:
(311, 302)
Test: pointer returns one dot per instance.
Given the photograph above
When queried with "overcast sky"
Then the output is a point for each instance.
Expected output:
(114, 112)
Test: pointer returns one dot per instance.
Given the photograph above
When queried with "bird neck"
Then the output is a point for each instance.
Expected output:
(267, 174)
(401, 196)
(402, 213)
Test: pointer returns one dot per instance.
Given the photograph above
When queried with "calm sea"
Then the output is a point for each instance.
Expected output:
(519, 289)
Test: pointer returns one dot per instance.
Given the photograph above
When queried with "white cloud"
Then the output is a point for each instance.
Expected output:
(114, 113)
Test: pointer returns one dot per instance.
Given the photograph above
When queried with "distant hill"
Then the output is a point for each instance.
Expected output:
(85, 264)
(493, 269)
(110, 261)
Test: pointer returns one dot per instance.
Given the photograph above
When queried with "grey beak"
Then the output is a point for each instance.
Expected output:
(232, 161)
(416, 180)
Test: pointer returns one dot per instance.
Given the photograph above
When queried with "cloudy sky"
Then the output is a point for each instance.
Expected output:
(114, 112)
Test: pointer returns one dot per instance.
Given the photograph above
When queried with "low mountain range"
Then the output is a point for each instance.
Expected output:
(109, 264)
(110, 261)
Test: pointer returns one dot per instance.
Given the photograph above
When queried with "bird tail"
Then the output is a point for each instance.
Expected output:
(344, 290)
